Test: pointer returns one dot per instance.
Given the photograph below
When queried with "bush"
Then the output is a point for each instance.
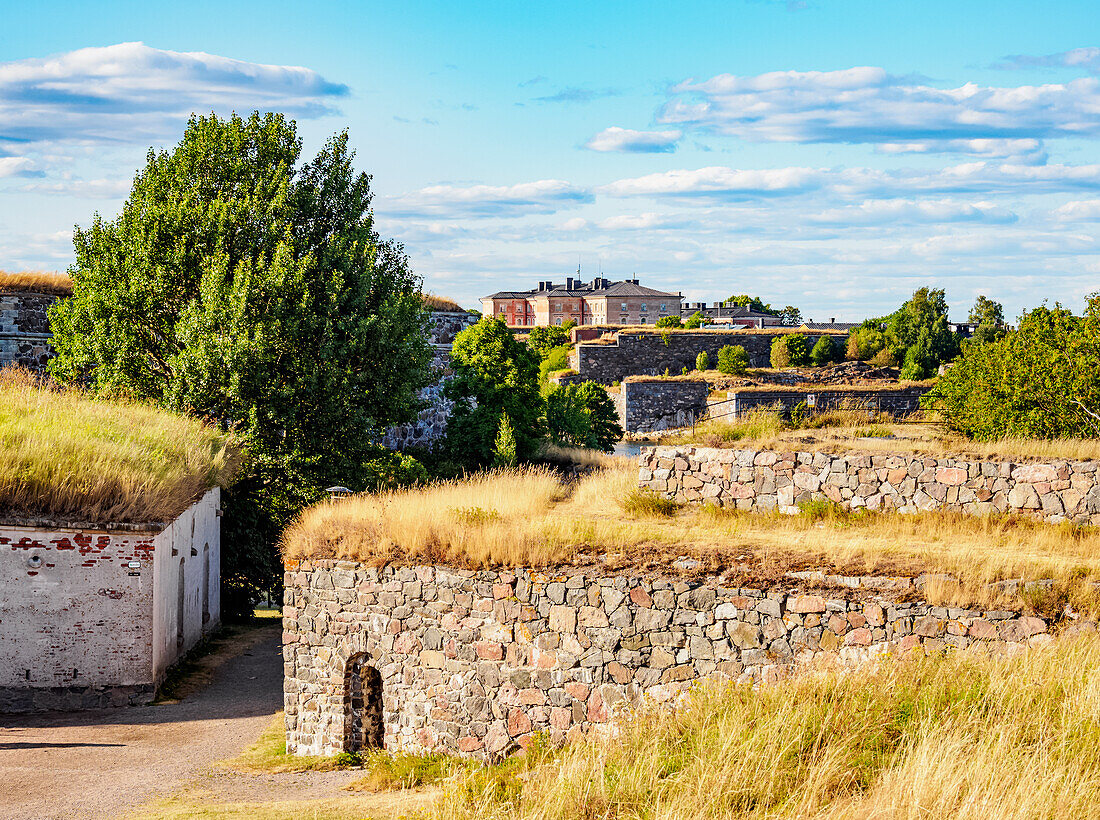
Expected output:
(543, 340)
(504, 447)
(582, 415)
(1040, 381)
(733, 360)
(390, 470)
(791, 350)
(555, 360)
(702, 361)
(696, 320)
(684, 370)
(646, 503)
(824, 351)
(886, 358)
(863, 343)
(670, 321)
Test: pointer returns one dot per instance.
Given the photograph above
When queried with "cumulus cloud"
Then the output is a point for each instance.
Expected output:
(1030, 151)
(18, 167)
(634, 142)
(868, 105)
(80, 188)
(731, 184)
(131, 91)
(1086, 58)
(915, 212)
(450, 201)
(1082, 210)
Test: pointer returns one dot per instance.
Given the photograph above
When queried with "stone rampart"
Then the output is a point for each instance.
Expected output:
(767, 479)
(651, 353)
(476, 662)
(649, 405)
(25, 330)
(899, 402)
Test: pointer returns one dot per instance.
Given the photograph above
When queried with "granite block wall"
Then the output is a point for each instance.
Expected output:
(476, 662)
(646, 406)
(767, 479)
(24, 330)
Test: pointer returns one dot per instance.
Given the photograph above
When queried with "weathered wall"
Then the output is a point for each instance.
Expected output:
(80, 628)
(430, 424)
(475, 663)
(751, 479)
(24, 330)
(651, 353)
(900, 402)
(646, 406)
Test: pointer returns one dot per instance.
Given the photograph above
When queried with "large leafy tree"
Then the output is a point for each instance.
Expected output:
(253, 291)
(494, 375)
(1041, 380)
(582, 415)
(989, 316)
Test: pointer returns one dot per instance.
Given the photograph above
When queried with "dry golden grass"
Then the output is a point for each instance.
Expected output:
(65, 456)
(435, 302)
(528, 519)
(36, 281)
(962, 736)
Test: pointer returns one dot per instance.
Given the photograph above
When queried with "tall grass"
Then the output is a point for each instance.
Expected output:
(433, 301)
(967, 735)
(58, 284)
(66, 456)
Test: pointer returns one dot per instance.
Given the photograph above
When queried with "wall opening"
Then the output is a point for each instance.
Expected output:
(179, 607)
(362, 706)
(205, 585)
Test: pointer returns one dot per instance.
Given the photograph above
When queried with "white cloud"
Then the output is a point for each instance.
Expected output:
(913, 212)
(81, 188)
(17, 167)
(868, 105)
(1086, 58)
(1029, 151)
(731, 184)
(636, 142)
(129, 92)
(450, 201)
(1082, 210)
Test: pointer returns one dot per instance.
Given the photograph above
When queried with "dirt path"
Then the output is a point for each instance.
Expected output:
(99, 764)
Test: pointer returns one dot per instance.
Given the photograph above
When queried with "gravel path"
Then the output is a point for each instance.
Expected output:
(90, 765)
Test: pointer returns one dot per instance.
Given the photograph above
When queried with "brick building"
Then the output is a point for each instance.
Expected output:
(599, 302)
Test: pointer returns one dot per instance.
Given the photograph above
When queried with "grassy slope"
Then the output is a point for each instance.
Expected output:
(58, 284)
(65, 456)
(961, 736)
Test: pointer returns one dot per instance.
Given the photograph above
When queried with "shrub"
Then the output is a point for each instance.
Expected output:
(702, 361)
(543, 340)
(390, 470)
(684, 370)
(555, 360)
(887, 358)
(824, 351)
(864, 342)
(504, 448)
(733, 360)
(791, 350)
(670, 321)
(646, 503)
(582, 415)
(696, 320)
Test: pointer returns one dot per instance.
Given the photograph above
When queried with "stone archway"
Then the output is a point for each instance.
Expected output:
(363, 726)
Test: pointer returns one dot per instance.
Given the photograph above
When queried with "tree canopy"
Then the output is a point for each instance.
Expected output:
(242, 286)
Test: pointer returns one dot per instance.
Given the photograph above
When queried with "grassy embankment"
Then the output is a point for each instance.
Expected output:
(58, 284)
(529, 518)
(66, 456)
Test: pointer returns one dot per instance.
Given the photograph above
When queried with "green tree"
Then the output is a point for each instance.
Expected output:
(790, 350)
(493, 374)
(864, 343)
(702, 361)
(823, 352)
(696, 320)
(733, 360)
(544, 339)
(504, 446)
(753, 303)
(670, 321)
(926, 309)
(557, 359)
(989, 316)
(791, 316)
(252, 291)
(582, 415)
(1039, 381)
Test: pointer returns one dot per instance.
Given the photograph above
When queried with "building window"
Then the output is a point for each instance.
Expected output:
(643, 320)
(557, 307)
(557, 321)
(664, 307)
(623, 307)
(643, 306)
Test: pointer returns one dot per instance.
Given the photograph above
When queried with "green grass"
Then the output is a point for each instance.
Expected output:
(646, 503)
(66, 456)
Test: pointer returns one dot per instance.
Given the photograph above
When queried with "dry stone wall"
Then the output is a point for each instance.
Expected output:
(25, 330)
(646, 405)
(651, 353)
(476, 662)
(767, 479)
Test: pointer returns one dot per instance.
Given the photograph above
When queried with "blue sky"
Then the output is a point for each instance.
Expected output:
(830, 154)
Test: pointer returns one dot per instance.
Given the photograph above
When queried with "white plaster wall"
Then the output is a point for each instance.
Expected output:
(79, 609)
(190, 541)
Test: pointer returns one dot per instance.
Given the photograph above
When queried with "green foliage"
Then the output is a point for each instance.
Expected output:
(790, 350)
(824, 352)
(667, 372)
(253, 292)
(696, 320)
(864, 343)
(670, 321)
(504, 447)
(920, 362)
(556, 359)
(582, 415)
(1040, 381)
(702, 361)
(753, 303)
(390, 470)
(543, 340)
(791, 316)
(568, 325)
(990, 318)
(642, 503)
(733, 360)
(666, 337)
(493, 375)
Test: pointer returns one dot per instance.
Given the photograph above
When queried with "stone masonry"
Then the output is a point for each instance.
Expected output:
(25, 330)
(648, 405)
(476, 662)
(766, 480)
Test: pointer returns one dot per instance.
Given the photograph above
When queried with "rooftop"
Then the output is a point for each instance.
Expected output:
(575, 287)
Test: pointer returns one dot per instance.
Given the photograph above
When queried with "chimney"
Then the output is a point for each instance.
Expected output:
(569, 282)
(832, 320)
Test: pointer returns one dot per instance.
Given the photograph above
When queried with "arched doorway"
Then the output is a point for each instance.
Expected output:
(363, 728)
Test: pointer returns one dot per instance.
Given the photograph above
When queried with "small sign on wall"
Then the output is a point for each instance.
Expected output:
(134, 567)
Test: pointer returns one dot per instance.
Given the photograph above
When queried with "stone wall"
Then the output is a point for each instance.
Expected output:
(651, 353)
(648, 405)
(766, 479)
(430, 424)
(475, 663)
(24, 330)
(899, 402)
